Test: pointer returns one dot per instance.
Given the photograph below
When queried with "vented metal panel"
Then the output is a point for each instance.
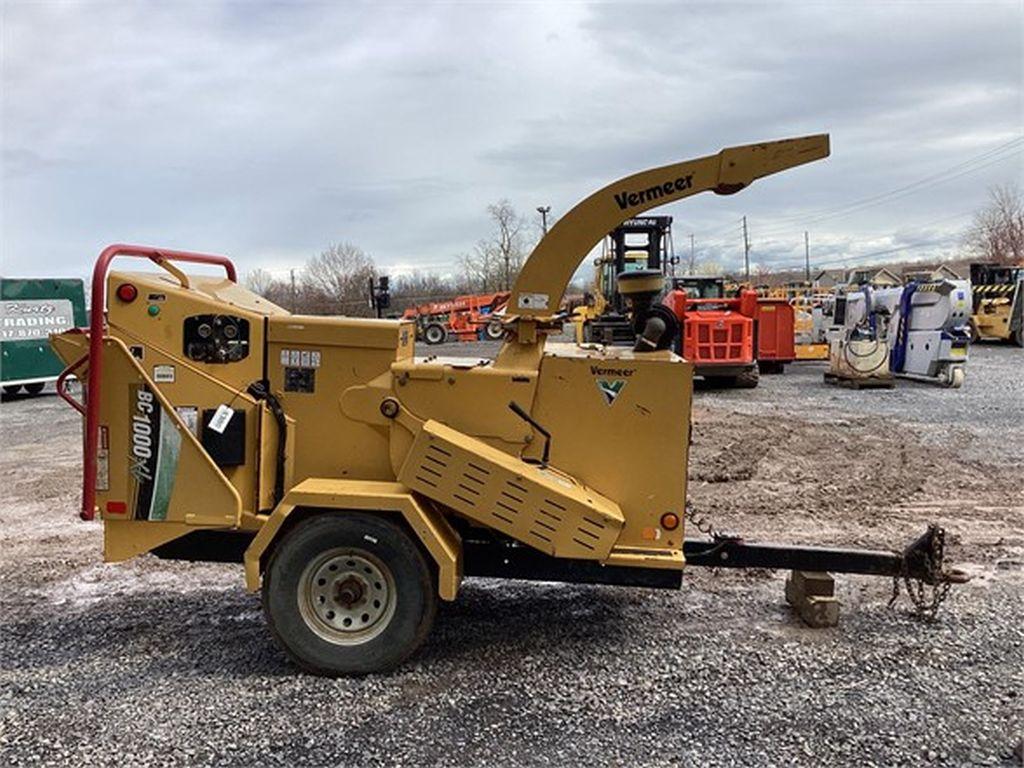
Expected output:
(539, 507)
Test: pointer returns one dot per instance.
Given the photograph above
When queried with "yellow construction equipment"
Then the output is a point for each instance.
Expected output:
(998, 311)
(810, 322)
(358, 484)
(636, 244)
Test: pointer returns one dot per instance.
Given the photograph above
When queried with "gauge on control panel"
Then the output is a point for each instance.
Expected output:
(216, 338)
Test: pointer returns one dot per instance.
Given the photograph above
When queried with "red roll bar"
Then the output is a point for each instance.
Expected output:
(97, 314)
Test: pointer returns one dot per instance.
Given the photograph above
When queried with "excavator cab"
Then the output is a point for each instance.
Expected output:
(699, 287)
(643, 243)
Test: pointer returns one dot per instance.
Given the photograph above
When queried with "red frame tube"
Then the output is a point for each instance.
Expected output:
(62, 383)
(97, 316)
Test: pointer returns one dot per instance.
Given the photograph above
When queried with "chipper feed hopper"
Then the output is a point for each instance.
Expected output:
(358, 485)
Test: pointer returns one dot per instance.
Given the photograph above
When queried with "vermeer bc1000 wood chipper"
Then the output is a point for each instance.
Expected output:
(359, 485)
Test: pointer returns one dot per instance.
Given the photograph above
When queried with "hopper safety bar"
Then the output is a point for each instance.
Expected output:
(97, 314)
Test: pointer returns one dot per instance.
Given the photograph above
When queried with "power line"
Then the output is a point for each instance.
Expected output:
(940, 178)
(978, 162)
(987, 155)
(731, 226)
(849, 257)
(946, 217)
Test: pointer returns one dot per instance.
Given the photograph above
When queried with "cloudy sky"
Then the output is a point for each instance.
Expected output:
(268, 130)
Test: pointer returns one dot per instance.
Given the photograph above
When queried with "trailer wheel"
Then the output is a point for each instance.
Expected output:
(12, 389)
(770, 367)
(36, 388)
(1018, 336)
(434, 333)
(494, 330)
(348, 594)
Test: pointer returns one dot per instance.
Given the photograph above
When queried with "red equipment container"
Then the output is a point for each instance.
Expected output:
(717, 334)
(714, 336)
(773, 329)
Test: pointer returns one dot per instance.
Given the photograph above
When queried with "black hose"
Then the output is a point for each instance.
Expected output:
(261, 391)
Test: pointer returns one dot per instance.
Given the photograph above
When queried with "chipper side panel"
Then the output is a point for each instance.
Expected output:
(615, 416)
(537, 505)
(155, 481)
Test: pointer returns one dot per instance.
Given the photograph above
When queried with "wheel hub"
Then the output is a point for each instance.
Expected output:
(347, 596)
(350, 592)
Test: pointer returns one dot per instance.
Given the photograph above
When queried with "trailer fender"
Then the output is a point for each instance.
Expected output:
(440, 540)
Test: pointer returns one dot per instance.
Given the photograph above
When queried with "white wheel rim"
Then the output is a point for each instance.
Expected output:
(347, 596)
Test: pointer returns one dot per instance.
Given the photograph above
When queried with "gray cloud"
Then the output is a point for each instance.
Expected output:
(267, 130)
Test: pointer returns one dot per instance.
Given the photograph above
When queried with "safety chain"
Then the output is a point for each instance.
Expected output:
(929, 593)
(702, 523)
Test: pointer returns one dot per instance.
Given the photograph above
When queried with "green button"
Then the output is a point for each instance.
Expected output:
(153, 310)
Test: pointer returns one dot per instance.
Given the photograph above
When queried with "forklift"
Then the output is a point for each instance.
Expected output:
(998, 310)
(358, 484)
(638, 243)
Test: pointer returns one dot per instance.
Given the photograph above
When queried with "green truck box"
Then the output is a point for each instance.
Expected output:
(30, 310)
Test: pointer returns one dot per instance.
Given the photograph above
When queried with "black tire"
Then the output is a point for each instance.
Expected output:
(748, 379)
(35, 389)
(12, 389)
(720, 382)
(434, 333)
(1018, 336)
(399, 574)
(770, 367)
(494, 330)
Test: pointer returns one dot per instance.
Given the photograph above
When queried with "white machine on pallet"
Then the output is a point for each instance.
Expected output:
(923, 327)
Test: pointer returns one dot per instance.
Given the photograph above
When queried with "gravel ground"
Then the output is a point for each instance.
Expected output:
(152, 662)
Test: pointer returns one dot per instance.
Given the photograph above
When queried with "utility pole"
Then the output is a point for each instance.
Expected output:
(807, 258)
(693, 255)
(746, 250)
(544, 210)
(293, 291)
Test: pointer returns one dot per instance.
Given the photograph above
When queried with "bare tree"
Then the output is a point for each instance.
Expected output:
(495, 262)
(997, 234)
(413, 290)
(337, 281)
(279, 292)
(709, 267)
(259, 281)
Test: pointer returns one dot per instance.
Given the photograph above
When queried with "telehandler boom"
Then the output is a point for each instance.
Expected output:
(358, 484)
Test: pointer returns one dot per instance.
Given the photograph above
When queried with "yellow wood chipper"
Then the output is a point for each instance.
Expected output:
(358, 485)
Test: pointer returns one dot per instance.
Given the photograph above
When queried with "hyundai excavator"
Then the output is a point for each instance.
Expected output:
(358, 485)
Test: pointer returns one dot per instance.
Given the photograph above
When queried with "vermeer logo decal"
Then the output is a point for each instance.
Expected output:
(626, 199)
(610, 388)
